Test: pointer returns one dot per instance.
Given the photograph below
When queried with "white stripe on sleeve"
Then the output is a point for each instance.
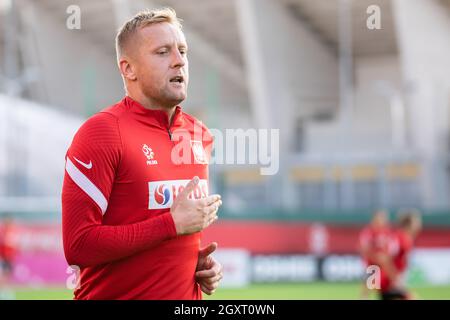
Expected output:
(86, 185)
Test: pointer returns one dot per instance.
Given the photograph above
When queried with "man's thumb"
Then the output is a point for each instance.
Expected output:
(189, 188)
(206, 251)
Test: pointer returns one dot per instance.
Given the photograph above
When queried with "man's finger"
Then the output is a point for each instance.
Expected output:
(209, 273)
(212, 208)
(212, 217)
(188, 188)
(215, 273)
(211, 287)
(206, 290)
(211, 281)
(206, 251)
(210, 200)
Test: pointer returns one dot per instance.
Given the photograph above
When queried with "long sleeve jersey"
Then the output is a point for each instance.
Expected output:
(124, 168)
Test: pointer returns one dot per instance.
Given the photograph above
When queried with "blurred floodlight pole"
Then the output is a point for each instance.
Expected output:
(269, 100)
(423, 29)
(12, 88)
(10, 67)
(346, 83)
(397, 113)
(345, 63)
(256, 72)
(398, 122)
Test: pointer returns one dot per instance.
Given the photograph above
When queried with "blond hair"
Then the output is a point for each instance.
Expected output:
(407, 217)
(143, 19)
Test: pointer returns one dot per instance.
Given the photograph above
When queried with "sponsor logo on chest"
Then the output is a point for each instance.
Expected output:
(163, 193)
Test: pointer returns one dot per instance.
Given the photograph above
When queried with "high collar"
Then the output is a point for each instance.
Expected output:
(154, 116)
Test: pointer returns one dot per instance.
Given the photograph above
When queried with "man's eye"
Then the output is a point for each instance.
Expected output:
(162, 52)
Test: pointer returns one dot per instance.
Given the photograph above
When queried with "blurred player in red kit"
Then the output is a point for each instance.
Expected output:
(7, 255)
(373, 239)
(394, 262)
(136, 191)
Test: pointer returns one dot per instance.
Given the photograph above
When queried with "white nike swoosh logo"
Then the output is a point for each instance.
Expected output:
(86, 165)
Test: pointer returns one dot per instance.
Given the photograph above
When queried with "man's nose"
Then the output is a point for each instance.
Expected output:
(178, 60)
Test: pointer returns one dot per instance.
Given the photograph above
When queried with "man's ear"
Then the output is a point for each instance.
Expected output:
(126, 69)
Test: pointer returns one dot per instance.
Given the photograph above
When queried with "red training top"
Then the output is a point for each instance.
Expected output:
(400, 246)
(375, 240)
(124, 168)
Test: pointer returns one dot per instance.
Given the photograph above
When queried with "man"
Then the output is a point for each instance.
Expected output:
(134, 201)
(394, 262)
(373, 239)
(7, 255)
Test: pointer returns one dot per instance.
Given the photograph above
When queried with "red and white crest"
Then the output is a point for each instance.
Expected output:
(199, 152)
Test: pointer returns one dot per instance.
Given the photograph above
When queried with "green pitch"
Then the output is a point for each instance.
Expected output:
(317, 290)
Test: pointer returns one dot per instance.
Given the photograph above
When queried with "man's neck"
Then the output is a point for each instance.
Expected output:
(149, 104)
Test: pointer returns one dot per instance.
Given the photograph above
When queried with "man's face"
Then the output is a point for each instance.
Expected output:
(380, 219)
(416, 226)
(160, 63)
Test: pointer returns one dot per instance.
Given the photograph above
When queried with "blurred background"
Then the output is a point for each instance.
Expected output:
(360, 91)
